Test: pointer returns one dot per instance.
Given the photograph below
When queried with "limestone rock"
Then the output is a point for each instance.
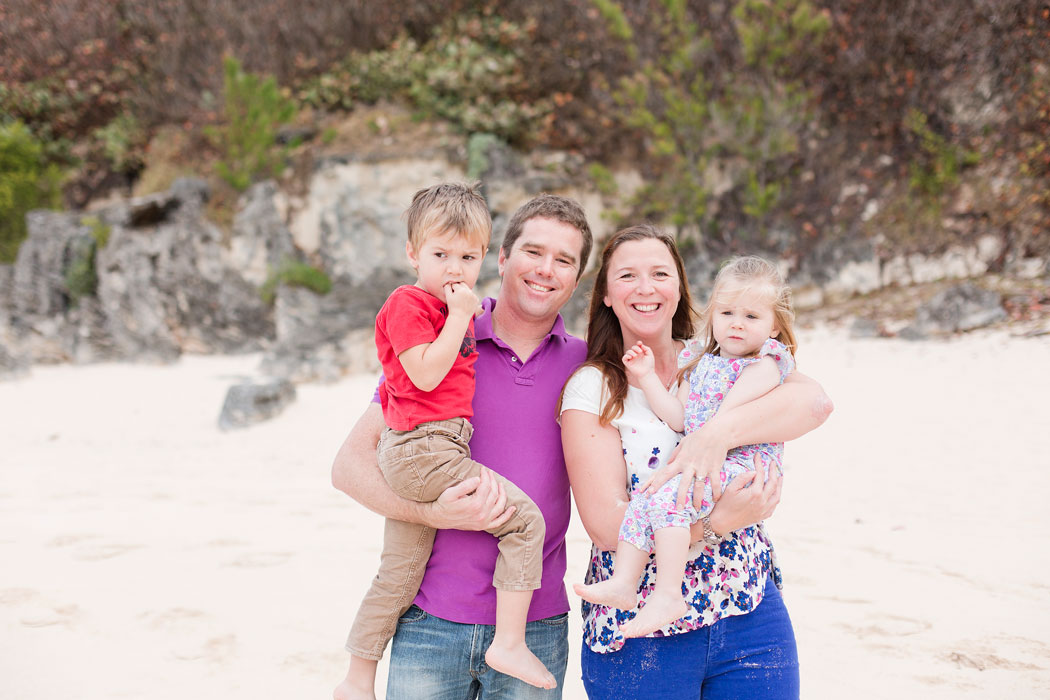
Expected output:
(864, 328)
(166, 286)
(253, 402)
(319, 336)
(961, 307)
(12, 365)
(260, 241)
(163, 284)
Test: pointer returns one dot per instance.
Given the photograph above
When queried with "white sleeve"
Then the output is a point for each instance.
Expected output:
(583, 391)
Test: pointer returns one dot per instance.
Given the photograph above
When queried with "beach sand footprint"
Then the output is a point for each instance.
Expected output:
(51, 615)
(214, 650)
(104, 550)
(17, 596)
(1005, 652)
(253, 560)
(174, 619)
(34, 610)
(69, 540)
(315, 664)
(887, 626)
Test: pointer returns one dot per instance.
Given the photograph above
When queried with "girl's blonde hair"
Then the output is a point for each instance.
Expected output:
(744, 274)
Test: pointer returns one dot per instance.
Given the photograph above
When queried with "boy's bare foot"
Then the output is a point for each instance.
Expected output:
(613, 593)
(659, 610)
(348, 691)
(521, 663)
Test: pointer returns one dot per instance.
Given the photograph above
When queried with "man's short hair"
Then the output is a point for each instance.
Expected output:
(449, 207)
(550, 206)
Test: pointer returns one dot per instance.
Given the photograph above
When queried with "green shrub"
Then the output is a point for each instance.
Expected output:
(121, 142)
(81, 277)
(81, 274)
(295, 274)
(603, 179)
(478, 154)
(26, 182)
(471, 73)
(938, 170)
(254, 108)
(687, 119)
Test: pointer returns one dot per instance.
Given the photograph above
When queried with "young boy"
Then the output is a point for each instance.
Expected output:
(425, 339)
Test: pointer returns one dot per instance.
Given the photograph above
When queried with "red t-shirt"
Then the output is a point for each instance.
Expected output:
(412, 316)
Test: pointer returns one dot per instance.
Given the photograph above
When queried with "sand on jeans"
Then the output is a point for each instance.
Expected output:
(146, 554)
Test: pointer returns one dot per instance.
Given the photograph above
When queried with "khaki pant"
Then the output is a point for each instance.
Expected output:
(419, 464)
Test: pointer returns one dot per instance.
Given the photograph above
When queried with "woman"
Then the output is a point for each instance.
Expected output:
(736, 640)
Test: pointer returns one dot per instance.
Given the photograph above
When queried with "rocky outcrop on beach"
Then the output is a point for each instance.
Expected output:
(251, 402)
(151, 278)
(962, 307)
(144, 280)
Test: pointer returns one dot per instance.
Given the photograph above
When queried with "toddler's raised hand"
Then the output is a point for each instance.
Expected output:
(639, 360)
(460, 299)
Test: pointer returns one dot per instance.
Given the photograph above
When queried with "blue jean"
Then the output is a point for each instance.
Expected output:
(434, 659)
(739, 657)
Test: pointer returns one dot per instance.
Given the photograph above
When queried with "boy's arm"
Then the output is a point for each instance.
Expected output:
(757, 379)
(427, 364)
(477, 503)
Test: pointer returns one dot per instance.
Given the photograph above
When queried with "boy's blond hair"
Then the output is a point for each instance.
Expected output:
(449, 208)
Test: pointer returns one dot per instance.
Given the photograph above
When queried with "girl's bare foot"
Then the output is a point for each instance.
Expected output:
(518, 661)
(612, 593)
(659, 610)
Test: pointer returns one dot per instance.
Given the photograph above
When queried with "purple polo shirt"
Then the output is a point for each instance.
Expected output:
(516, 434)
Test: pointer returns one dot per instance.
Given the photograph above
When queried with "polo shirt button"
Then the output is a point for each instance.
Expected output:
(513, 359)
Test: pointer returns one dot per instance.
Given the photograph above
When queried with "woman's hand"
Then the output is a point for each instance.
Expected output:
(747, 500)
(699, 456)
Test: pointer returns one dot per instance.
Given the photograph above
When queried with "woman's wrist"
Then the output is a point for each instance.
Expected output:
(720, 432)
(716, 524)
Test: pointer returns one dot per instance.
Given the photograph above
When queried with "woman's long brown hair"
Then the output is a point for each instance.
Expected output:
(604, 336)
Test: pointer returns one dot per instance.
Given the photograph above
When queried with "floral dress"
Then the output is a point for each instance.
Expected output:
(720, 581)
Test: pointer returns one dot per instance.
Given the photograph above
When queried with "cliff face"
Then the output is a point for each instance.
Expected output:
(162, 279)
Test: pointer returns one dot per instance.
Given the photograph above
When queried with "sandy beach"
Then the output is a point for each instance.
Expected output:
(147, 554)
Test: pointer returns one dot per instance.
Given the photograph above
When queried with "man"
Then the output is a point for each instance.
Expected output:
(524, 358)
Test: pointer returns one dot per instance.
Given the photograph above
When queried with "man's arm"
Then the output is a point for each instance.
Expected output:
(478, 503)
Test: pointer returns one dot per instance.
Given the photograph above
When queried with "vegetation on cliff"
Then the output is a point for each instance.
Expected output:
(770, 123)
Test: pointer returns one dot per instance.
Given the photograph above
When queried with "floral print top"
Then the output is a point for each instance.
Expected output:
(719, 581)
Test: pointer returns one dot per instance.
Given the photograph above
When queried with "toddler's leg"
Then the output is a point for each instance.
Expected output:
(620, 591)
(406, 548)
(665, 604)
(508, 653)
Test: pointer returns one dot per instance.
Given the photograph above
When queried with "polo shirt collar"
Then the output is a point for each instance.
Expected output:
(483, 323)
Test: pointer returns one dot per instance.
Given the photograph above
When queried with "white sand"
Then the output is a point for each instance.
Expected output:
(146, 554)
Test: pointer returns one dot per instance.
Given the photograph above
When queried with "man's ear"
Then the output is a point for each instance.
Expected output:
(501, 261)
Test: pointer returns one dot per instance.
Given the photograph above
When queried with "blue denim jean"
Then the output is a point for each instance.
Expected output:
(434, 659)
(739, 657)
